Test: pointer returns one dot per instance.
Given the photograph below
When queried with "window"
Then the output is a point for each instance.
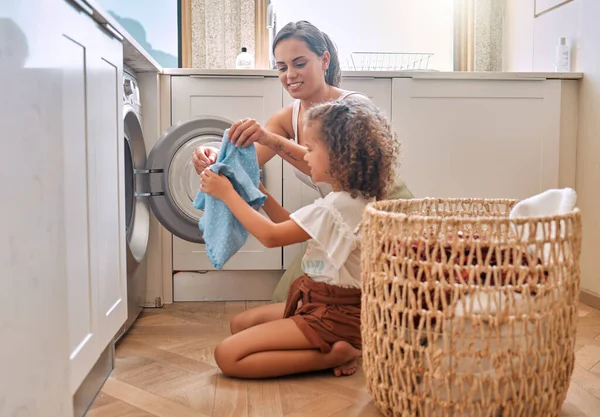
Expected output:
(152, 23)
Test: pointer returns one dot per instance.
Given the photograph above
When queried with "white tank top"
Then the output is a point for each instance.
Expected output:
(321, 187)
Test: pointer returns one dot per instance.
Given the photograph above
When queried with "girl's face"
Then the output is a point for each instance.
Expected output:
(317, 155)
(301, 71)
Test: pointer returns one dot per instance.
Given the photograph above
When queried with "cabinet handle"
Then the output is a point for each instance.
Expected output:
(347, 76)
(470, 77)
(113, 31)
(226, 76)
(83, 6)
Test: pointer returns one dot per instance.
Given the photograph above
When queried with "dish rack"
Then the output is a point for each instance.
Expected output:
(387, 61)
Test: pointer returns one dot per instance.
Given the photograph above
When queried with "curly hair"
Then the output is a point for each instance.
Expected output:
(363, 149)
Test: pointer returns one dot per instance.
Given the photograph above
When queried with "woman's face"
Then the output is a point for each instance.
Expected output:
(301, 71)
(317, 155)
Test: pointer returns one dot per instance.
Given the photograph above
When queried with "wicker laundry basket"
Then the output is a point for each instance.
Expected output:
(465, 312)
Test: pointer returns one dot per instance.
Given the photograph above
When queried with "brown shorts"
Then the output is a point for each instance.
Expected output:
(327, 314)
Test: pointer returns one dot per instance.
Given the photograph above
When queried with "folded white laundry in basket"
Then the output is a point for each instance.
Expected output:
(553, 202)
(548, 203)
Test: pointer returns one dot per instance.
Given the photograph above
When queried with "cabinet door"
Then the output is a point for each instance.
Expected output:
(93, 185)
(296, 194)
(475, 138)
(379, 90)
(84, 345)
(231, 98)
(105, 127)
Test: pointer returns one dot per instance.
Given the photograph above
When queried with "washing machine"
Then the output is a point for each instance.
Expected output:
(162, 182)
(137, 210)
(162, 185)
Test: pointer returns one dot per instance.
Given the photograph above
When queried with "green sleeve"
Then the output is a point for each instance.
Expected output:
(400, 191)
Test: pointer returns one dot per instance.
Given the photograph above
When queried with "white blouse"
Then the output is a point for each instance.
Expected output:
(333, 252)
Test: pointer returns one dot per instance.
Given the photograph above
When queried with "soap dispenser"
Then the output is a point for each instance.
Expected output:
(244, 60)
(563, 56)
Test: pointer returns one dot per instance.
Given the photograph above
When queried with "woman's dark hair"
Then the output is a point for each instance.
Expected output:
(318, 42)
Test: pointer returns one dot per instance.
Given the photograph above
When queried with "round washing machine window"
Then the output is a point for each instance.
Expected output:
(174, 183)
(184, 183)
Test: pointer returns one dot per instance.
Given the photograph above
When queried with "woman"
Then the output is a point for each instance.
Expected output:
(309, 70)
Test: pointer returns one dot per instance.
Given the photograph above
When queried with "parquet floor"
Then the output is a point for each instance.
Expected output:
(165, 368)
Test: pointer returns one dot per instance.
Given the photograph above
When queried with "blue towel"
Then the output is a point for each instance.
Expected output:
(223, 234)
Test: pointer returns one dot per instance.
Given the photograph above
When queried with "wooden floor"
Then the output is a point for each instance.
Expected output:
(165, 368)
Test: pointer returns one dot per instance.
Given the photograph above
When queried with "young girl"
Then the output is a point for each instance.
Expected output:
(351, 146)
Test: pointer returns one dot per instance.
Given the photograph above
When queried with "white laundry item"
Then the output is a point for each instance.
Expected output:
(553, 202)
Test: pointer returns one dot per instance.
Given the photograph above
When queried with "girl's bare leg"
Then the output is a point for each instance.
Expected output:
(255, 316)
(278, 348)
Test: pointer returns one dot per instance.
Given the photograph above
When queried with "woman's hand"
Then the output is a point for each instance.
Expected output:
(203, 157)
(217, 186)
(246, 132)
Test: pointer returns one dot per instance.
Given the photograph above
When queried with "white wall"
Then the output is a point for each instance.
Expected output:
(380, 25)
(588, 153)
(529, 45)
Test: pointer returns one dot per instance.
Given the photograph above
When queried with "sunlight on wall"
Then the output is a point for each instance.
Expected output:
(406, 26)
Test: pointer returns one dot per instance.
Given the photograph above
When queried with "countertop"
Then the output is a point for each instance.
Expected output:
(139, 60)
(389, 74)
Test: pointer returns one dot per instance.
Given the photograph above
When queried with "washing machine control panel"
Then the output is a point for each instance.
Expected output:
(131, 92)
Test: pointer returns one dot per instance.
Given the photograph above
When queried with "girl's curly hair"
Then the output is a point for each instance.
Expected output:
(363, 149)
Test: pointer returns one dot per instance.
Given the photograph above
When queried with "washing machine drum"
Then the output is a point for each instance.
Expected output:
(172, 181)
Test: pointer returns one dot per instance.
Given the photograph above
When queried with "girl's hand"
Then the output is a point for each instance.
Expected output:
(203, 157)
(246, 132)
(217, 186)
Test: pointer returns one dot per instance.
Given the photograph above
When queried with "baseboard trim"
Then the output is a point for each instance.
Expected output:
(590, 299)
(225, 285)
(93, 382)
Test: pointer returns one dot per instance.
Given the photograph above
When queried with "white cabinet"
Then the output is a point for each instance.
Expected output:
(485, 138)
(231, 98)
(379, 90)
(34, 327)
(296, 194)
(93, 188)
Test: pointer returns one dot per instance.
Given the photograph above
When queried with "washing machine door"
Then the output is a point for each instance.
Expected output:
(137, 211)
(172, 180)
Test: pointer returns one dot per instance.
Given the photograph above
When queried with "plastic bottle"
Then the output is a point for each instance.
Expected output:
(563, 56)
(245, 60)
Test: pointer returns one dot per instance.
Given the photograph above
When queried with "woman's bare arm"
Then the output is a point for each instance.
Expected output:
(277, 143)
(289, 151)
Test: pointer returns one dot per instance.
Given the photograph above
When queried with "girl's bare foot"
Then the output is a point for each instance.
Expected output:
(349, 354)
